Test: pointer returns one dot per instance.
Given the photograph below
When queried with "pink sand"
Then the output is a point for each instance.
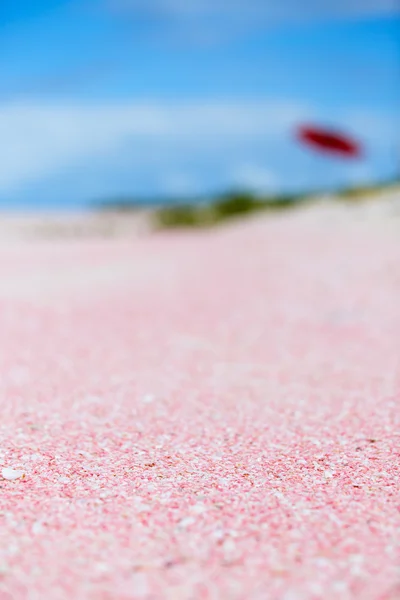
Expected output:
(204, 416)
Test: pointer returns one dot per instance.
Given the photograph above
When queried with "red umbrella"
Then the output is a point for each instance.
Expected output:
(328, 141)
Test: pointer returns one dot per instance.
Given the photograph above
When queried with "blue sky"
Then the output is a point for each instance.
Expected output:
(146, 98)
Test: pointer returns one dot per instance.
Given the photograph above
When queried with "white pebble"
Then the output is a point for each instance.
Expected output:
(11, 474)
(198, 509)
(37, 528)
(218, 534)
(229, 545)
(186, 522)
(148, 398)
(329, 474)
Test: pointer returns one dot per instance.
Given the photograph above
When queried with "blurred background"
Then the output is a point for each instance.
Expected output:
(149, 101)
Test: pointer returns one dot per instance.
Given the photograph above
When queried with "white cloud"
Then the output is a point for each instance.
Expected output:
(205, 22)
(360, 175)
(373, 126)
(180, 184)
(255, 178)
(167, 142)
(269, 11)
(38, 140)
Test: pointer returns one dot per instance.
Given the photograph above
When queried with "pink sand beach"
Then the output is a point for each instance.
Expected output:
(203, 416)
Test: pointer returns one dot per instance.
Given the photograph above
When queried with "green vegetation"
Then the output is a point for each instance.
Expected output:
(364, 192)
(195, 214)
(223, 208)
(236, 203)
(180, 216)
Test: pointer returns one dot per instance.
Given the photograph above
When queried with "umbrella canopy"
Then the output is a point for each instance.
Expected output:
(329, 141)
